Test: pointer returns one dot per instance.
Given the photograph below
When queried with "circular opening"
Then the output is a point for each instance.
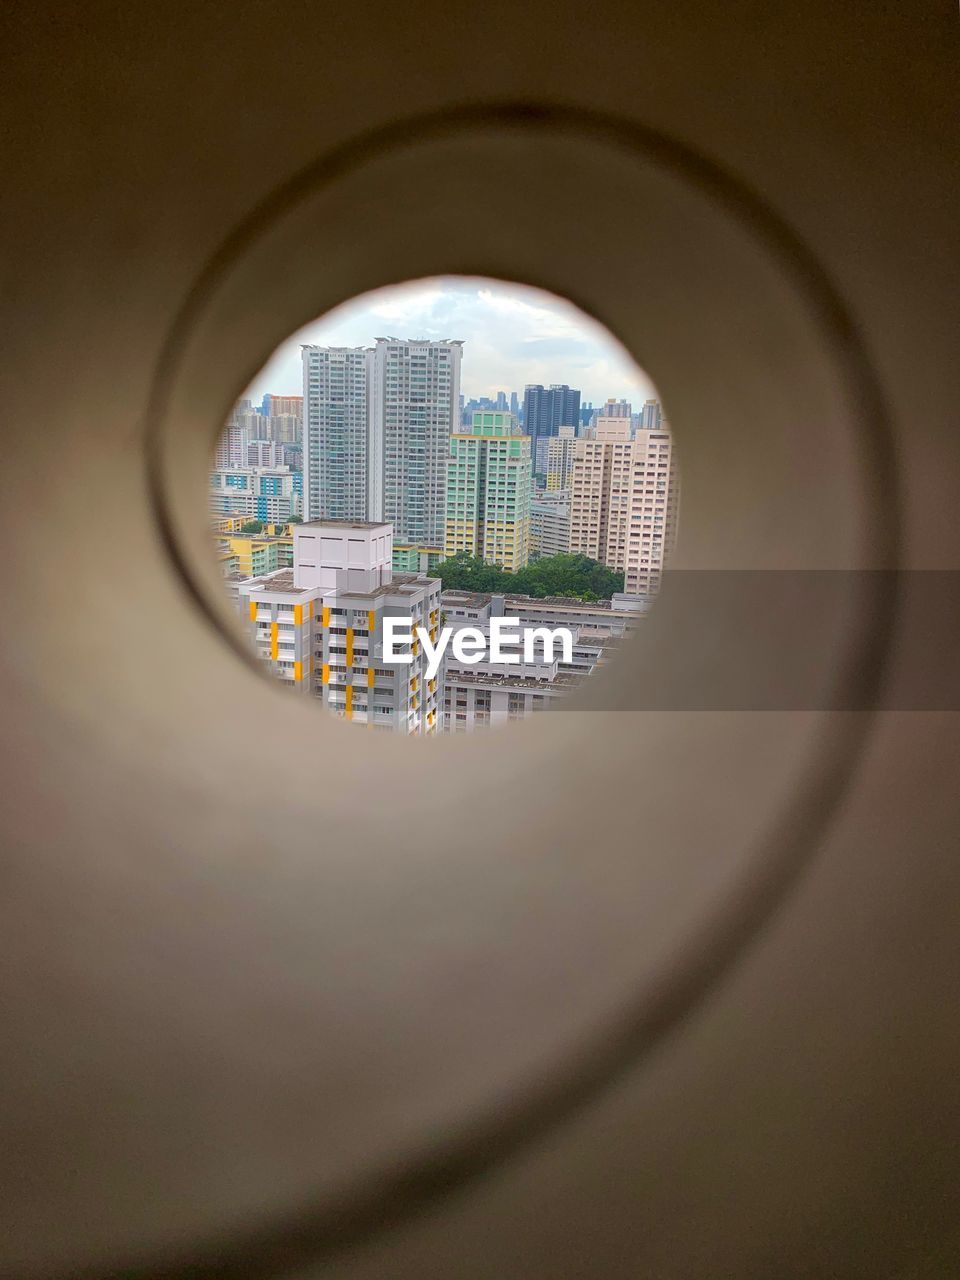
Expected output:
(444, 505)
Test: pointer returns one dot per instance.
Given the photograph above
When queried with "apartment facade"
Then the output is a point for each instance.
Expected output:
(591, 618)
(319, 626)
(257, 554)
(654, 511)
(615, 409)
(415, 559)
(600, 493)
(490, 693)
(286, 418)
(624, 501)
(560, 458)
(336, 446)
(549, 523)
(377, 423)
(414, 389)
(488, 492)
(651, 416)
(545, 411)
(265, 453)
(240, 428)
(256, 493)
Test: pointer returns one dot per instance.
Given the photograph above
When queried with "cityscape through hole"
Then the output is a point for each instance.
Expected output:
(443, 505)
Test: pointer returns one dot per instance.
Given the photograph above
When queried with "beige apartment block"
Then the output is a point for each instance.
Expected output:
(654, 510)
(624, 501)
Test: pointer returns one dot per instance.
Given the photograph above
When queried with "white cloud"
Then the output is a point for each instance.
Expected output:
(512, 335)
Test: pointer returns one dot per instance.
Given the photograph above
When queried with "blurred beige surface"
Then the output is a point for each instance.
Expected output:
(225, 1013)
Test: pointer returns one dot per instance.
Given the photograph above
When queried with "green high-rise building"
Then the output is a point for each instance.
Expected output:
(488, 491)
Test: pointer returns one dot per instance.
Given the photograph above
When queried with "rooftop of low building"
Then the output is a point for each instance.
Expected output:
(257, 537)
(343, 524)
(282, 581)
(467, 599)
(564, 681)
(558, 602)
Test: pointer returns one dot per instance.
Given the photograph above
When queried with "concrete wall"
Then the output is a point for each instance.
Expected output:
(691, 1015)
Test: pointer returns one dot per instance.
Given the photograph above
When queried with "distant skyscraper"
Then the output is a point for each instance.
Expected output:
(514, 404)
(616, 409)
(244, 424)
(335, 433)
(264, 453)
(232, 444)
(414, 406)
(545, 411)
(651, 415)
(285, 415)
(488, 492)
(281, 406)
(501, 402)
(560, 458)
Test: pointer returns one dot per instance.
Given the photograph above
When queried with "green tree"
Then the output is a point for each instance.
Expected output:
(252, 526)
(574, 576)
(464, 572)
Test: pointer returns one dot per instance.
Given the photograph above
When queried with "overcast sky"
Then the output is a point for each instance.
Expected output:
(511, 335)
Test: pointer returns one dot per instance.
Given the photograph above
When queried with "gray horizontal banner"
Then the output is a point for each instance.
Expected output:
(793, 640)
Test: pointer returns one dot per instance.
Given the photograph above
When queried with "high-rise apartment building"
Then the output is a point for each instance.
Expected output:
(414, 397)
(600, 490)
(336, 430)
(255, 423)
(545, 411)
(651, 415)
(488, 492)
(231, 450)
(286, 429)
(376, 431)
(319, 626)
(265, 453)
(560, 458)
(283, 406)
(624, 501)
(241, 427)
(284, 418)
(256, 493)
(277, 422)
(654, 509)
(615, 409)
(549, 523)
